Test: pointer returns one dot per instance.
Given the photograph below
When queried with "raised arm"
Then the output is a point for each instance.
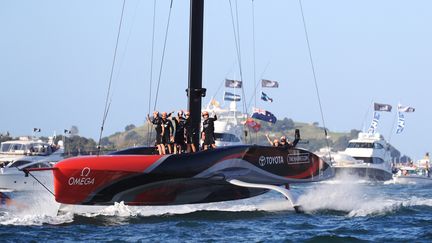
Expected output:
(269, 140)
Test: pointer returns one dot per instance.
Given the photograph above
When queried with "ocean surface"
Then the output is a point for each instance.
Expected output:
(335, 211)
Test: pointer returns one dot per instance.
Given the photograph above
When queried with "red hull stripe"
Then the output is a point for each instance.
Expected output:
(75, 179)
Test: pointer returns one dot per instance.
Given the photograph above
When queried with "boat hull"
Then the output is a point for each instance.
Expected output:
(369, 173)
(200, 177)
(15, 180)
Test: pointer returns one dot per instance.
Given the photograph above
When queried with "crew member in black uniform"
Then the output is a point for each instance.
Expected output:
(208, 131)
(179, 135)
(157, 121)
(189, 134)
(167, 132)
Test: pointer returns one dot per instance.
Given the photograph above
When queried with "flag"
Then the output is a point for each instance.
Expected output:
(251, 123)
(373, 127)
(265, 83)
(403, 108)
(230, 83)
(228, 96)
(265, 97)
(401, 123)
(263, 115)
(382, 107)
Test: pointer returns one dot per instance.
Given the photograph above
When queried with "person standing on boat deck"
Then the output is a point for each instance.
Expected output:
(179, 135)
(156, 120)
(189, 134)
(208, 130)
(167, 132)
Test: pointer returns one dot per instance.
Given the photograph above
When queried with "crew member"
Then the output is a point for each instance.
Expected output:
(189, 134)
(208, 131)
(157, 121)
(179, 135)
(274, 143)
(167, 132)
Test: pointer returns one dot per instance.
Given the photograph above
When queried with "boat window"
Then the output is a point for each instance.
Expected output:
(371, 160)
(17, 147)
(5, 147)
(18, 163)
(226, 137)
(39, 165)
(378, 146)
(360, 145)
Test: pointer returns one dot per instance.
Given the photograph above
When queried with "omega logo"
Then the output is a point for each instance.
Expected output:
(85, 172)
(83, 180)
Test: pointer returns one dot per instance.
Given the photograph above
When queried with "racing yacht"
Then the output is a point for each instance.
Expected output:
(222, 174)
(367, 156)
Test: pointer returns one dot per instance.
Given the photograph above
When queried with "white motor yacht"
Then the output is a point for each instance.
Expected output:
(229, 129)
(367, 156)
(13, 177)
(24, 146)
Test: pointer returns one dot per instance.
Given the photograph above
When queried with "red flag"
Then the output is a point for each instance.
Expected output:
(251, 123)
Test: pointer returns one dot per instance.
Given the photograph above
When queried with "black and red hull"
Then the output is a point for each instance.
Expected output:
(185, 178)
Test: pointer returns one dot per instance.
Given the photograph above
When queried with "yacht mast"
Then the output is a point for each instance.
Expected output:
(195, 91)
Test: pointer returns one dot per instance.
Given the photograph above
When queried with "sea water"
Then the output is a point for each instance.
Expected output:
(335, 211)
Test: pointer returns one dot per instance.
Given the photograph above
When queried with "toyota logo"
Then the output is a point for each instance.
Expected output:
(262, 161)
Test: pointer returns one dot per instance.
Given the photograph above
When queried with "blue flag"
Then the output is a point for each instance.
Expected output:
(228, 96)
(401, 123)
(263, 115)
(265, 97)
(373, 126)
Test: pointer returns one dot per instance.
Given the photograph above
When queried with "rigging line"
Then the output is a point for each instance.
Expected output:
(257, 85)
(28, 172)
(254, 59)
(111, 77)
(127, 42)
(237, 45)
(223, 81)
(314, 76)
(253, 49)
(163, 56)
(365, 118)
(149, 130)
(392, 127)
(388, 149)
(240, 64)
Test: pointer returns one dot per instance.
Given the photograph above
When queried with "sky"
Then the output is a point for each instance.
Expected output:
(56, 57)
